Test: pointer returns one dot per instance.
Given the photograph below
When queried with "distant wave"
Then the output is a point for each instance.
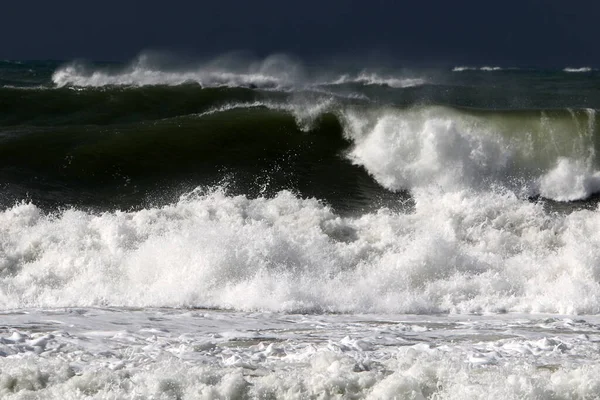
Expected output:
(277, 72)
(15, 87)
(371, 78)
(273, 72)
(76, 75)
(581, 69)
(484, 68)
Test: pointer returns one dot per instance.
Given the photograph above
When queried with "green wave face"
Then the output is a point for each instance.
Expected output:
(538, 137)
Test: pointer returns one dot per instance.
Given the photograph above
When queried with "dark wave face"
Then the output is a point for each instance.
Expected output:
(253, 151)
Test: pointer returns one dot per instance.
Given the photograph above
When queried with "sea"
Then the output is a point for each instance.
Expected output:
(272, 229)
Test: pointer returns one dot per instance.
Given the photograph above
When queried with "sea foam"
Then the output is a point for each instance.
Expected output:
(276, 71)
(371, 78)
(456, 252)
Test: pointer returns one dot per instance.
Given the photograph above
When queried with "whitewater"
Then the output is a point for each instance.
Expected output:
(321, 238)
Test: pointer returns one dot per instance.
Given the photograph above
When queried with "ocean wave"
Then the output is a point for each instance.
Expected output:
(530, 152)
(470, 241)
(207, 354)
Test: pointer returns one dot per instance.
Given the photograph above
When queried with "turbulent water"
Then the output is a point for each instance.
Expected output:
(264, 229)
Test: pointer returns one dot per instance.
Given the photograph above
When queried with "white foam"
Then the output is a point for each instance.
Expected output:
(244, 105)
(458, 251)
(108, 354)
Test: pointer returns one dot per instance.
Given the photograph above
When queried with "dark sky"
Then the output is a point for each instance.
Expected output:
(510, 32)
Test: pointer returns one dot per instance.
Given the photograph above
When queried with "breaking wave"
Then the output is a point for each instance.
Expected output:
(470, 240)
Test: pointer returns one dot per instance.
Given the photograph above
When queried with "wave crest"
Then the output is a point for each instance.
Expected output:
(274, 72)
(371, 78)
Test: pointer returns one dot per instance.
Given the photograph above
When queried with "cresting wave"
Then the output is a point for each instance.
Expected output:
(375, 79)
(471, 241)
(582, 69)
(550, 153)
(528, 152)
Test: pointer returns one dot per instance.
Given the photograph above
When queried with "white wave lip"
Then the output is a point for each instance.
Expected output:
(581, 69)
(189, 354)
(305, 113)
